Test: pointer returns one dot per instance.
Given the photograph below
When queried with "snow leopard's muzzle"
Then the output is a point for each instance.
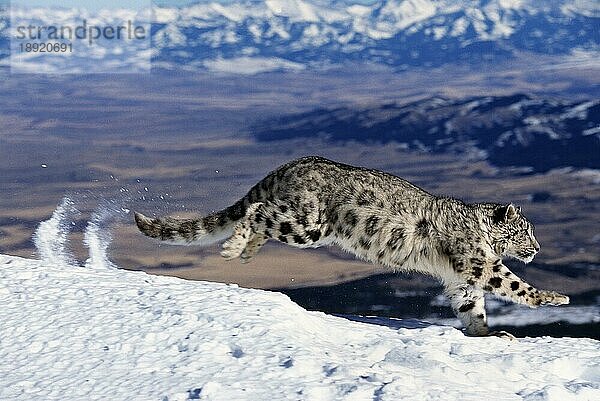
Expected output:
(526, 255)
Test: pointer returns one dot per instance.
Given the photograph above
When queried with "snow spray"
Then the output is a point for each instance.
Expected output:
(52, 236)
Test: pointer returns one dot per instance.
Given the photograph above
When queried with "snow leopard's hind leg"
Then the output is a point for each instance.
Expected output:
(245, 242)
(298, 226)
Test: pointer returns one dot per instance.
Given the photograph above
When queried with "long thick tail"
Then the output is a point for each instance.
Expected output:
(198, 231)
(214, 227)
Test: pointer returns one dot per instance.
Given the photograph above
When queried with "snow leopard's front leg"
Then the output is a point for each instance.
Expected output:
(468, 304)
(494, 277)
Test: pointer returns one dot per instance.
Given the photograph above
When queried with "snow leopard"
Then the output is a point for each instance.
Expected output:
(380, 218)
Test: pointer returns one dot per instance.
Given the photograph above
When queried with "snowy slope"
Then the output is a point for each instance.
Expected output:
(72, 332)
(69, 332)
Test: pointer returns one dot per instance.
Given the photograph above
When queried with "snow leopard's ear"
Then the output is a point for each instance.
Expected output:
(506, 214)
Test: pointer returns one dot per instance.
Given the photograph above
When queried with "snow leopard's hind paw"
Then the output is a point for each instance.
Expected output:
(252, 247)
(235, 245)
(244, 243)
(232, 248)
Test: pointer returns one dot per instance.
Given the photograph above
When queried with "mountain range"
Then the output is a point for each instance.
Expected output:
(516, 130)
(398, 33)
(247, 36)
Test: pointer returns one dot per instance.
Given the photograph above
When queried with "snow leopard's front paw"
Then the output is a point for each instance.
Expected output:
(551, 298)
(548, 298)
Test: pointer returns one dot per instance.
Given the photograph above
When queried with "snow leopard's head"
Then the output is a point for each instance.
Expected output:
(512, 234)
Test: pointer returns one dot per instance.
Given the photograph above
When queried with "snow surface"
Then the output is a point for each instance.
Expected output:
(250, 65)
(72, 332)
(510, 314)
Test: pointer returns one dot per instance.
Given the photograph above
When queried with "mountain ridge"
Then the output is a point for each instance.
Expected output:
(303, 34)
(395, 33)
(517, 130)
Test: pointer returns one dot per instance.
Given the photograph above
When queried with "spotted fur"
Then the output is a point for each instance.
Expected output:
(381, 218)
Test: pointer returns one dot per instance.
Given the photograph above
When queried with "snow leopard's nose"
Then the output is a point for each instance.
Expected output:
(536, 246)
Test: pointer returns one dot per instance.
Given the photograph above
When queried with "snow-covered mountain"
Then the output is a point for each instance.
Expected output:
(4, 35)
(247, 36)
(516, 130)
(398, 33)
